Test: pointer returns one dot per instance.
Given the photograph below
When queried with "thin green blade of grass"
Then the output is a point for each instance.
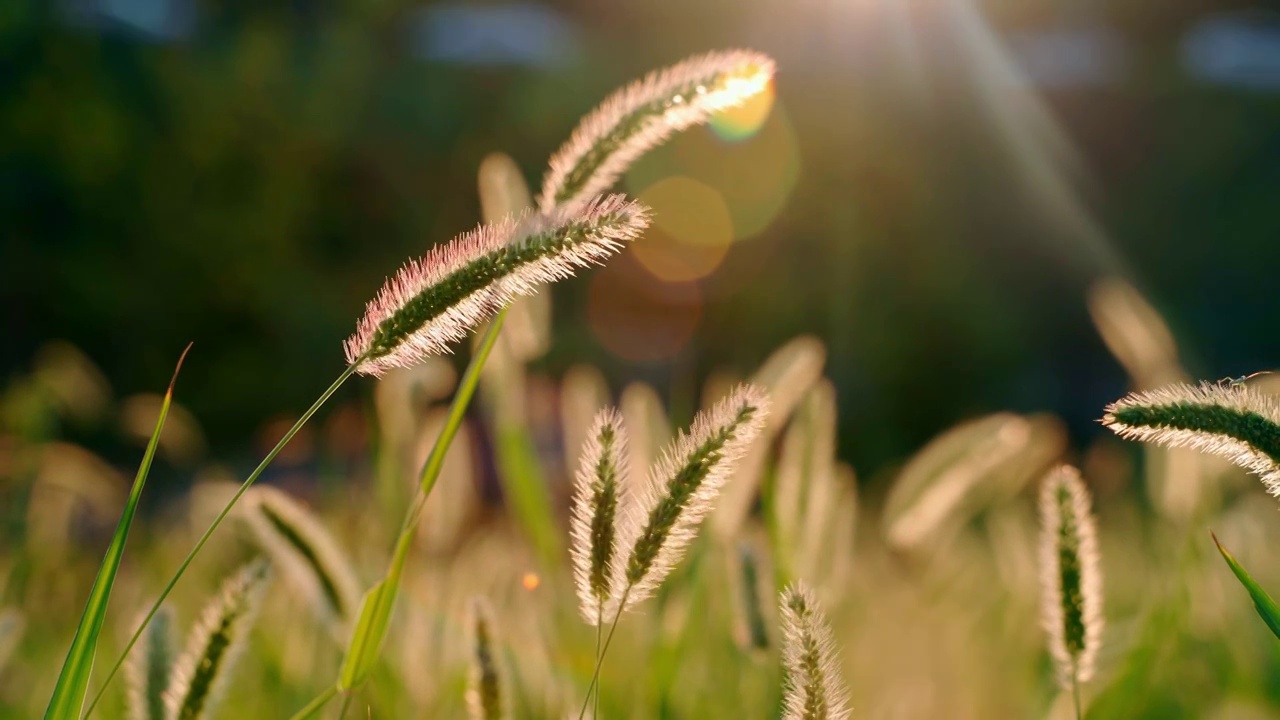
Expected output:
(1267, 608)
(526, 491)
(217, 521)
(370, 631)
(73, 681)
(374, 618)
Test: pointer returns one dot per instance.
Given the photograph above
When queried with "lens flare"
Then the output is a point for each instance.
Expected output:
(639, 318)
(739, 123)
(691, 233)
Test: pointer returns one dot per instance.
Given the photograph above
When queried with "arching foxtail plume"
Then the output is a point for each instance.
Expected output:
(436, 301)
(306, 553)
(1228, 419)
(644, 114)
(683, 486)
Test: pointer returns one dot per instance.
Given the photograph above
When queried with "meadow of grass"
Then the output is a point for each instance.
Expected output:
(421, 556)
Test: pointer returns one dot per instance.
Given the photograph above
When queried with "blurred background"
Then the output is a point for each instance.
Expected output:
(969, 206)
(930, 190)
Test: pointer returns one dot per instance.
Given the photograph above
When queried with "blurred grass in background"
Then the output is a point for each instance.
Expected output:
(172, 170)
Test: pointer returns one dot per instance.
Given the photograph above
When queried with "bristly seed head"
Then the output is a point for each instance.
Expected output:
(1231, 420)
(148, 667)
(485, 695)
(1071, 579)
(814, 688)
(308, 555)
(200, 677)
(436, 301)
(645, 113)
(598, 492)
(684, 483)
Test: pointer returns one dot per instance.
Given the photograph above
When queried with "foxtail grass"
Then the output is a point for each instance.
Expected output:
(487, 697)
(436, 301)
(308, 557)
(201, 674)
(682, 489)
(786, 375)
(600, 487)
(814, 687)
(940, 479)
(1071, 579)
(683, 486)
(599, 490)
(644, 114)
(1228, 419)
(149, 668)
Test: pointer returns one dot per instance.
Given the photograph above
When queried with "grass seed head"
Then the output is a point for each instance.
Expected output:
(307, 554)
(814, 687)
(486, 699)
(598, 491)
(684, 484)
(201, 675)
(645, 113)
(1231, 420)
(436, 301)
(1071, 579)
(148, 668)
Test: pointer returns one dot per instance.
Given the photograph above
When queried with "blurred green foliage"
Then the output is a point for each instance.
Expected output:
(247, 182)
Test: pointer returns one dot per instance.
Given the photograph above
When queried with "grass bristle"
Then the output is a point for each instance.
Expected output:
(201, 675)
(598, 492)
(1071, 580)
(438, 300)
(486, 697)
(644, 114)
(304, 551)
(684, 484)
(149, 667)
(814, 688)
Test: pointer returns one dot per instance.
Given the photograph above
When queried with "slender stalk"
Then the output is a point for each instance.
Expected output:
(244, 487)
(346, 703)
(595, 711)
(430, 473)
(316, 703)
(1075, 693)
(595, 676)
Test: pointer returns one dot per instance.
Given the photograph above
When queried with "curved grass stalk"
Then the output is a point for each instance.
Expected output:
(374, 617)
(226, 510)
